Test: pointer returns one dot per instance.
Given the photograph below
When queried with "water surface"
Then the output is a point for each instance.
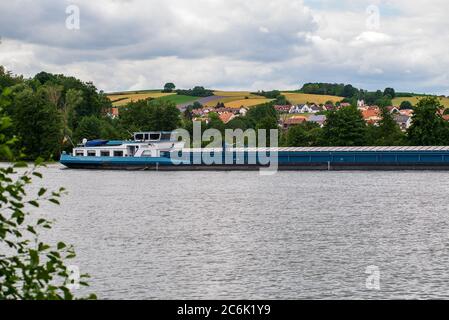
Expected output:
(239, 235)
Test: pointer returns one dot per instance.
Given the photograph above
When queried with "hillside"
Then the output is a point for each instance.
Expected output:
(120, 99)
(231, 99)
(300, 98)
(414, 100)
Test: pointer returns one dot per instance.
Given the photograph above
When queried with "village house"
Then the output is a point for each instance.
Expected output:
(293, 121)
(406, 112)
(315, 109)
(113, 112)
(319, 119)
(198, 112)
(371, 115)
(222, 110)
(225, 117)
(243, 111)
(360, 104)
(403, 121)
(283, 108)
(301, 108)
(393, 109)
(201, 119)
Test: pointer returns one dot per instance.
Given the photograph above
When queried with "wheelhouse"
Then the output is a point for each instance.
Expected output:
(144, 144)
(152, 136)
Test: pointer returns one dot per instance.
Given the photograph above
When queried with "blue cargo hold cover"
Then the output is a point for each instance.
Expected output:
(96, 143)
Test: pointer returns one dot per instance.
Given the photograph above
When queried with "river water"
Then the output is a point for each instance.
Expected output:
(239, 235)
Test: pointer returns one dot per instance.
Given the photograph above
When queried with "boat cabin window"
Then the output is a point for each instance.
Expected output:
(146, 153)
(155, 136)
(105, 153)
(165, 154)
(166, 136)
(91, 153)
(139, 137)
(79, 153)
(118, 153)
(147, 137)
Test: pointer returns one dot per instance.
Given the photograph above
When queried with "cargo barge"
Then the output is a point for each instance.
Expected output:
(158, 151)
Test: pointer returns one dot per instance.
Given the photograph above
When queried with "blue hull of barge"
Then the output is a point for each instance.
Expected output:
(287, 160)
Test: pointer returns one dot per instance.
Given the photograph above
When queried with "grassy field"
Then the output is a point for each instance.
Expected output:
(179, 99)
(414, 101)
(231, 99)
(246, 103)
(300, 98)
(122, 99)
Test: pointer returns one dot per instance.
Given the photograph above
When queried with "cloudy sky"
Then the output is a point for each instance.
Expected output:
(231, 44)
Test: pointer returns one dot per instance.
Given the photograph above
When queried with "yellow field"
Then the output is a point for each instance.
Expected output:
(232, 93)
(414, 101)
(246, 103)
(135, 97)
(214, 102)
(300, 98)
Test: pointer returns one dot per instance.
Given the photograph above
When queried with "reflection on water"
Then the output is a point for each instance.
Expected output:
(239, 235)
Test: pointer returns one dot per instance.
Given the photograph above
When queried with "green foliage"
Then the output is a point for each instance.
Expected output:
(93, 102)
(390, 92)
(428, 127)
(196, 92)
(387, 133)
(238, 123)
(303, 135)
(38, 123)
(169, 87)
(406, 105)
(89, 128)
(30, 269)
(7, 79)
(333, 89)
(257, 114)
(274, 94)
(154, 115)
(344, 127)
(267, 123)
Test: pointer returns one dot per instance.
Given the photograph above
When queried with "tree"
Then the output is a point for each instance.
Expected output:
(73, 99)
(169, 87)
(256, 114)
(303, 135)
(7, 79)
(388, 132)
(390, 92)
(267, 123)
(406, 105)
(238, 123)
(196, 92)
(165, 116)
(89, 128)
(428, 127)
(30, 269)
(154, 115)
(344, 127)
(38, 123)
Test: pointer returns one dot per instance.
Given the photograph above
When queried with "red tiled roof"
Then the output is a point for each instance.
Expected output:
(370, 113)
(225, 117)
(295, 120)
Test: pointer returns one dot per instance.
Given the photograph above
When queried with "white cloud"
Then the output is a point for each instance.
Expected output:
(253, 44)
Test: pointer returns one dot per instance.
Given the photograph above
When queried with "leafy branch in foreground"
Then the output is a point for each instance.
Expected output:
(29, 268)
